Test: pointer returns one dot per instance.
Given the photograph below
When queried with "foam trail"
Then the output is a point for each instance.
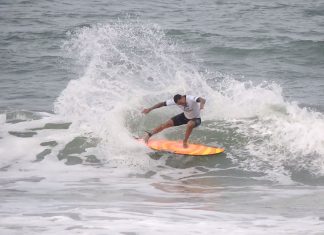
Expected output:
(280, 132)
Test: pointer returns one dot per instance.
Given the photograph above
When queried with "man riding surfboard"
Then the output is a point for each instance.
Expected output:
(191, 106)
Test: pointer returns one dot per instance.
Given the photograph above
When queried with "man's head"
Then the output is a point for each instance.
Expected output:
(179, 99)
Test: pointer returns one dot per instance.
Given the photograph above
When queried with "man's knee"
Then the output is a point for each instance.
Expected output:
(170, 123)
(191, 124)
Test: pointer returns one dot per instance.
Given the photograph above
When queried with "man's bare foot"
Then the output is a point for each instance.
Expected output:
(185, 144)
(147, 136)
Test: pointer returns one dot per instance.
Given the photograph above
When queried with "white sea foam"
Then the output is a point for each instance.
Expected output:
(280, 132)
(128, 66)
(2, 118)
(125, 65)
(156, 221)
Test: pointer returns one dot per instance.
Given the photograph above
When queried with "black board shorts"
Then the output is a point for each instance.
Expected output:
(181, 119)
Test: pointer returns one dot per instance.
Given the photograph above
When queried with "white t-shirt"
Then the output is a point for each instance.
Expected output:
(192, 108)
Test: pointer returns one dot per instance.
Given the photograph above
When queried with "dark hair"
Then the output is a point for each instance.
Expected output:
(176, 98)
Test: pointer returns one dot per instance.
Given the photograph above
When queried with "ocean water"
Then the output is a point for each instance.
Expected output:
(75, 76)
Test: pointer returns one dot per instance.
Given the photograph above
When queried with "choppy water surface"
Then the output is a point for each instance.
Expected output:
(75, 76)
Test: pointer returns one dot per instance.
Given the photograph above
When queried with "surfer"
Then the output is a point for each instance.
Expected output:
(191, 106)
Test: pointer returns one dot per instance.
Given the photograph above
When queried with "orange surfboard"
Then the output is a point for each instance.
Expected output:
(177, 148)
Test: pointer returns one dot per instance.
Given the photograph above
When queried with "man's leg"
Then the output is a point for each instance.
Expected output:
(158, 129)
(190, 125)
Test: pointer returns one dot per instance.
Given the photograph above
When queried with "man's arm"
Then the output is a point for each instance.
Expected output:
(158, 105)
(202, 102)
